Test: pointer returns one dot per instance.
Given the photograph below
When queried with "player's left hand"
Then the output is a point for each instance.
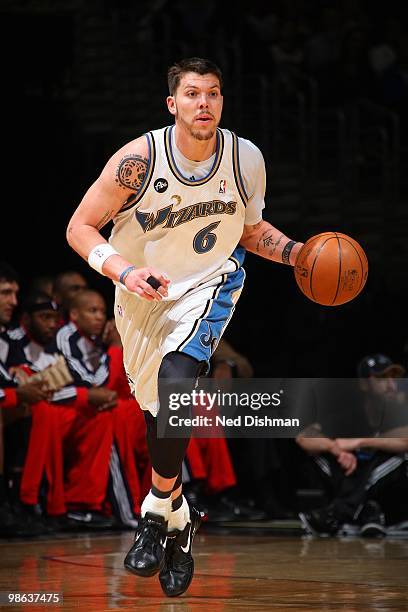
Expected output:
(136, 282)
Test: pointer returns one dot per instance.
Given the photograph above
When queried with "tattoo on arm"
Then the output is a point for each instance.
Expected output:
(266, 240)
(275, 245)
(131, 171)
(261, 239)
(286, 252)
(104, 220)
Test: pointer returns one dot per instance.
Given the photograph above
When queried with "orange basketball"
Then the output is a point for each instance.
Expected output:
(331, 269)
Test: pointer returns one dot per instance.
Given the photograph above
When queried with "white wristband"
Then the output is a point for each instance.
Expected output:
(99, 255)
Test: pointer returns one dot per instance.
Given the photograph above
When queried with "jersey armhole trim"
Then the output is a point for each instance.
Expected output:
(134, 198)
(237, 170)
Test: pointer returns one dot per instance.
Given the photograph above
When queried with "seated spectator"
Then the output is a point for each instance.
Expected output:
(70, 441)
(66, 286)
(258, 464)
(15, 402)
(36, 445)
(98, 371)
(209, 478)
(360, 473)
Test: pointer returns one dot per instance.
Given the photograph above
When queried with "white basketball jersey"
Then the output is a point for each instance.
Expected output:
(188, 229)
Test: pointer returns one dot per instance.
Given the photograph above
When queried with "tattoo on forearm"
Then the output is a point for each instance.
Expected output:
(261, 239)
(131, 171)
(106, 217)
(275, 245)
(266, 240)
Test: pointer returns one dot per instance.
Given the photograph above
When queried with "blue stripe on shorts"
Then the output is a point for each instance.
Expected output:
(209, 331)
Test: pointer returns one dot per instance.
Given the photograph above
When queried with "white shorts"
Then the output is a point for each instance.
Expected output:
(192, 324)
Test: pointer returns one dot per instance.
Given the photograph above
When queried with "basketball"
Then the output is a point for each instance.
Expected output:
(331, 269)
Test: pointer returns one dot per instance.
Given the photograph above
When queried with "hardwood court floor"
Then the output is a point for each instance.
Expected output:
(233, 572)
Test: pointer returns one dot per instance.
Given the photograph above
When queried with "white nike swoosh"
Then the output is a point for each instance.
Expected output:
(186, 549)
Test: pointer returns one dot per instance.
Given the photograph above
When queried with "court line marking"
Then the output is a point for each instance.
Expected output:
(256, 578)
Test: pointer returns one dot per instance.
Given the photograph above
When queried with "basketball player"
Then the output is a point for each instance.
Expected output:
(186, 201)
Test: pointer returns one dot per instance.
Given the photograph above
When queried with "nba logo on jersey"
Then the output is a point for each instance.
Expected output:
(223, 186)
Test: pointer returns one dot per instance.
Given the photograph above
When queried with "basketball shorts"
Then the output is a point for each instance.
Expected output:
(192, 324)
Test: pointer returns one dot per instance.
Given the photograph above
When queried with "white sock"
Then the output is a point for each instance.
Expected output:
(156, 505)
(179, 518)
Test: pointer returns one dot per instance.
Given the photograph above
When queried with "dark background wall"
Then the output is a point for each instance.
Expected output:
(320, 86)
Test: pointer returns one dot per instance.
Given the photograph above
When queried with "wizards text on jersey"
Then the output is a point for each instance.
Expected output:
(168, 218)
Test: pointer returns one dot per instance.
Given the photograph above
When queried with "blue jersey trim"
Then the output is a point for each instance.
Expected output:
(210, 328)
(237, 169)
(238, 256)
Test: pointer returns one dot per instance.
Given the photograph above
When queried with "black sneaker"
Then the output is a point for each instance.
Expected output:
(372, 520)
(322, 522)
(178, 570)
(146, 557)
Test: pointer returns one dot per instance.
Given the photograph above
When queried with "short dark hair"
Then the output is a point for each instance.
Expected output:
(36, 298)
(81, 297)
(191, 64)
(8, 274)
(62, 276)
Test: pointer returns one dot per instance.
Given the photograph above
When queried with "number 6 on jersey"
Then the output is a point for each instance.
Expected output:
(205, 239)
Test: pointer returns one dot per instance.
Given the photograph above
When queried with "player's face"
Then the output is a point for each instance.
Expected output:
(197, 104)
(8, 300)
(90, 315)
(43, 325)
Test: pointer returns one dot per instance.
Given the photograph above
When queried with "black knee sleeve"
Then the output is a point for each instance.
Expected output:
(180, 365)
(167, 453)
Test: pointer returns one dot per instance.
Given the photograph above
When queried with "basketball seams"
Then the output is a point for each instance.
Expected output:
(313, 265)
(339, 264)
(308, 243)
(320, 284)
(361, 263)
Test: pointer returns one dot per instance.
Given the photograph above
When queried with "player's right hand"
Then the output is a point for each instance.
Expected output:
(135, 282)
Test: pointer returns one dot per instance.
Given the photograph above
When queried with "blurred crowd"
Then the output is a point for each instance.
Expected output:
(353, 48)
(73, 450)
(72, 445)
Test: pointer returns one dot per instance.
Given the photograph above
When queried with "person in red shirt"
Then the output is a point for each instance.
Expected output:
(98, 373)
(15, 401)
